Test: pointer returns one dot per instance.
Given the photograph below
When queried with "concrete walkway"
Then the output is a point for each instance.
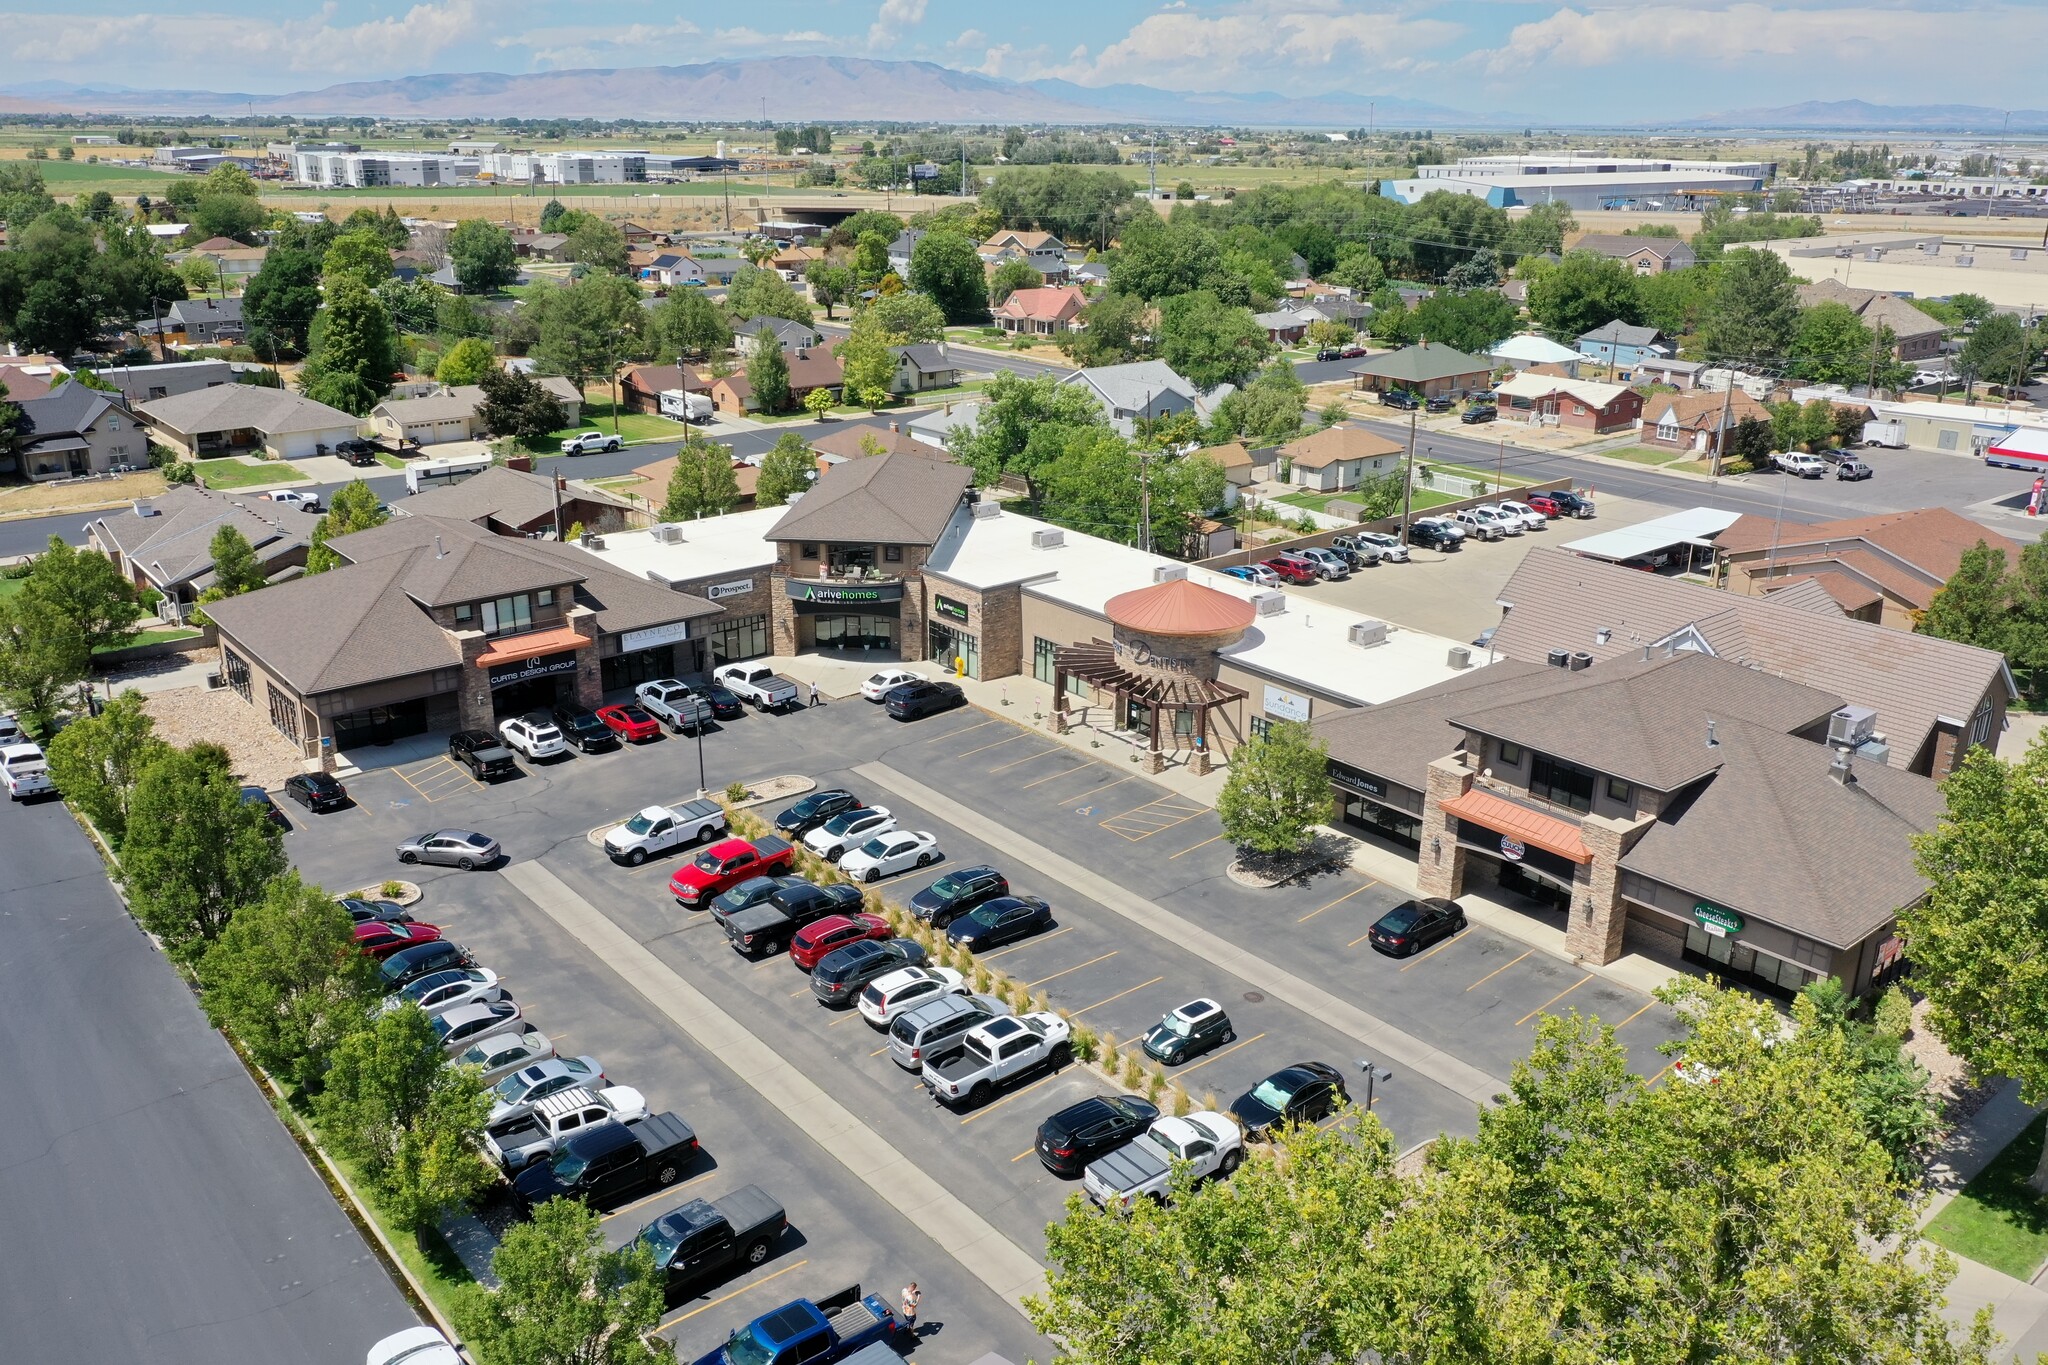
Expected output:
(992, 1258)
(1973, 1144)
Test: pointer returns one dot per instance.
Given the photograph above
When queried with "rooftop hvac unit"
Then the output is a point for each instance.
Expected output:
(1966, 260)
(1270, 603)
(145, 509)
(1876, 750)
(1851, 726)
(1461, 657)
(1366, 634)
(1876, 254)
(2019, 253)
(669, 533)
(984, 510)
(1048, 538)
(593, 542)
(1559, 658)
(1931, 248)
(1167, 573)
(1581, 659)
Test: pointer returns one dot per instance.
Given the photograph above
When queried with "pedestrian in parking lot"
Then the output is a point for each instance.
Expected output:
(911, 1295)
(814, 694)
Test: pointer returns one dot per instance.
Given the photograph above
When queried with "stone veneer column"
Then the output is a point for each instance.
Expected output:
(911, 644)
(1599, 920)
(781, 611)
(589, 668)
(473, 692)
(1442, 872)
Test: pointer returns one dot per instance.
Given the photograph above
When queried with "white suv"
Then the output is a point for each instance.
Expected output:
(1531, 519)
(533, 737)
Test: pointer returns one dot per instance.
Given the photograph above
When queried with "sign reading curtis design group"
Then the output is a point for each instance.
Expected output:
(843, 594)
(739, 587)
(947, 606)
(526, 670)
(654, 635)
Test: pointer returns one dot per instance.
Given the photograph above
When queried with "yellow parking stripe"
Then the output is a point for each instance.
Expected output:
(1495, 972)
(1434, 951)
(1078, 767)
(685, 1317)
(1025, 944)
(1339, 901)
(1075, 968)
(1554, 999)
(1019, 762)
(1204, 844)
(1218, 1056)
(961, 731)
(1633, 1017)
(1118, 996)
(987, 1109)
(996, 744)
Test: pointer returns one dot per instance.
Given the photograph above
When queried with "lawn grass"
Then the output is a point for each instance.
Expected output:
(1649, 455)
(235, 474)
(1312, 502)
(1998, 1220)
(389, 461)
(11, 586)
(161, 635)
(597, 415)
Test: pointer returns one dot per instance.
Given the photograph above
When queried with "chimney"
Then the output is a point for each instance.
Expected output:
(1712, 743)
(1840, 769)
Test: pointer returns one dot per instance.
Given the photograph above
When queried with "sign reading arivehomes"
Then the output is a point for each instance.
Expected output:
(738, 587)
(1717, 921)
(654, 635)
(836, 594)
(525, 670)
(947, 606)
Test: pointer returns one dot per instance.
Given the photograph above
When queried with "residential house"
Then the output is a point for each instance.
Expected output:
(451, 414)
(1619, 347)
(1143, 389)
(1091, 274)
(545, 246)
(239, 417)
(719, 270)
(1679, 374)
(792, 261)
(1644, 255)
(1339, 457)
(641, 387)
(922, 366)
(1577, 404)
(792, 336)
(1885, 568)
(935, 427)
(858, 441)
(1043, 250)
(1341, 308)
(1699, 422)
(1520, 352)
(1429, 368)
(808, 370)
(232, 261)
(1242, 467)
(29, 381)
(1283, 327)
(73, 430)
(1916, 335)
(901, 249)
(206, 322)
(1041, 312)
(672, 269)
(518, 502)
(1926, 700)
(637, 233)
(166, 542)
(141, 383)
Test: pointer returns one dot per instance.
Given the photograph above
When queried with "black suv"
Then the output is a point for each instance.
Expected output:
(954, 894)
(1400, 398)
(581, 727)
(842, 974)
(814, 810)
(1078, 1134)
(483, 754)
(913, 700)
(1440, 403)
(1477, 413)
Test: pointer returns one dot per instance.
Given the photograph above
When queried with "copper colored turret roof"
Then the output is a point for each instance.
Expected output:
(1179, 607)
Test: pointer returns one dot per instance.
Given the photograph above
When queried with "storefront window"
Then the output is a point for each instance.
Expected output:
(743, 637)
(1738, 961)
(1384, 821)
(508, 615)
(1042, 652)
(854, 630)
(948, 644)
(1184, 722)
(1563, 783)
(642, 665)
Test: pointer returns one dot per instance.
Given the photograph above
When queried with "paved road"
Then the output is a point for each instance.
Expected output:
(154, 1208)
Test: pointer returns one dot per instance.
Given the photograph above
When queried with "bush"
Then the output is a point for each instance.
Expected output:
(1892, 1017)
(1133, 1070)
(981, 979)
(1084, 1043)
(392, 890)
(180, 472)
(736, 792)
(1182, 1102)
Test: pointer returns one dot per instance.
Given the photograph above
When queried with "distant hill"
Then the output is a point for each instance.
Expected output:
(1862, 116)
(1259, 108)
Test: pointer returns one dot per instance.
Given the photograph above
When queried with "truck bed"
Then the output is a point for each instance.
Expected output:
(662, 1132)
(856, 1320)
(955, 1064)
(1131, 1166)
(749, 1209)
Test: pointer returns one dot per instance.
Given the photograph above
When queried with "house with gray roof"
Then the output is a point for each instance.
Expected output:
(450, 413)
(924, 365)
(144, 383)
(166, 542)
(73, 430)
(1428, 368)
(1621, 346)
(1144, 389)
(517, 502)
(791, 336)
(206, 322)
(246, 417)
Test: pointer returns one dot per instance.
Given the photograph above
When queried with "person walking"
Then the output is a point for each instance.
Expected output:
(814, 694)
(911, 1295)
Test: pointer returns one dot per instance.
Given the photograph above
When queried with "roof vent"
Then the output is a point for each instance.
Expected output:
(1840, 768)
(439, 553)
(1712, 743)
(1558, 658)
(1167, 573)
(1270, 603)
(669, 533)
(1581, 659)
(145, 509)
(1603, 635)
(1048, 538)
(1366, 634)
(1460, 657)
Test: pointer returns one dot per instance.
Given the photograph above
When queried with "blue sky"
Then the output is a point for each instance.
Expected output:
(1583, 60)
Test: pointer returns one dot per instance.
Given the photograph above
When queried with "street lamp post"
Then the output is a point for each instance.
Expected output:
(1372, 1074)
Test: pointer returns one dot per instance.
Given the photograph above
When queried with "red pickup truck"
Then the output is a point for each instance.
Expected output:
(725, 865)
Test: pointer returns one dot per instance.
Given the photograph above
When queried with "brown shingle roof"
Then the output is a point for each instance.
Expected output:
(1332, 444)
(818, 369)
(848, 443)
(342, 628)
(1808, 593)
(1930, 540)
(893, 499)
(1874, 306)
(1231, 455)
(511, 496)
(1702, 411)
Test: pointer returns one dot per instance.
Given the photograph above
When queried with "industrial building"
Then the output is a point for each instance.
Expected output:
(1584, 180)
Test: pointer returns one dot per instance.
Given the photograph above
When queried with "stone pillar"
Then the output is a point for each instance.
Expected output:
(1440, 864)
(1202, 764)
(1155, 762)
(1599, 920)
(781, 617)
(589, 669)
(473, 692)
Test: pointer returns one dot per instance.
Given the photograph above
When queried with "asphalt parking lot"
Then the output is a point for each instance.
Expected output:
(1146, 919)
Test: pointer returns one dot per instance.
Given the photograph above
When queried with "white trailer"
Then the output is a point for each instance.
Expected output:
(421, 475)
(685, 406)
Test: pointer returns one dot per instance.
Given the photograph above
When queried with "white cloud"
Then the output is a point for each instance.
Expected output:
(227, 43)
(1259, 42)
(754, 38)
(892, 20)
(968, 41)
(623, 44)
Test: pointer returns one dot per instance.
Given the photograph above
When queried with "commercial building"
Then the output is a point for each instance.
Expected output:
(1668, 803)
(1922, 265)
(1584, 180)
(360, 170)
(1885, 568)
(567, 168)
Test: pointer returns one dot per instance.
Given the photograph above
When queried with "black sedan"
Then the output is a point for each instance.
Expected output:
(1302, 1093)
(584, 729)
(1412, 926)
(1003, 920)
(380, 912)
(256, 796)
(814, 810)
(724, 705)
(1078, 1134)
(317, 792)
(956, 893)
(913, 700)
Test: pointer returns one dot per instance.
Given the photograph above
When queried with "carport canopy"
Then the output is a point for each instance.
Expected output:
(1695, 527)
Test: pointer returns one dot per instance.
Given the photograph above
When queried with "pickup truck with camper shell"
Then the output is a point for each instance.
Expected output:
(727, 863)
(757, 684)
(992, 1056)
(707, 1239)
(658, 829)
(675, 705)
(1211, 1143)
(765, 928)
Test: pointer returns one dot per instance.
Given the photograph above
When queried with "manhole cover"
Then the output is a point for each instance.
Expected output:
(1253, 997)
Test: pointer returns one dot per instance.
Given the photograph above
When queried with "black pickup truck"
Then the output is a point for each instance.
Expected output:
(705, 1240)
(765, 928)
(485, 756)
(601, 1165)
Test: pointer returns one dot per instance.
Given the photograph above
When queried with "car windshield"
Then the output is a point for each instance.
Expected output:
(662, 1243)
(839, 824)
(513, 1088)
(1272, 1094)
(741, 1348)
(804, 809)
(708, 862)
(568, 1166)
(948, 886)
(1174, 1024)
(986, 914)
(875, 847)
(639, 824)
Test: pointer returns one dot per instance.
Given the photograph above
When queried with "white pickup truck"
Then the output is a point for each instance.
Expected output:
(657, 829)
(1211, 1143)
(674, 704)
(25, 772)
(991, 1056)
(534, 1136)
(757, 683)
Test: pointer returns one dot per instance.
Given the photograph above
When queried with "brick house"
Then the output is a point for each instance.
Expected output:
(1697, 421)
(1577, 404)
(808, 370)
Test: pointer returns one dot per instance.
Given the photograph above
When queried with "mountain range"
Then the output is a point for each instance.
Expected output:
(1862, 116)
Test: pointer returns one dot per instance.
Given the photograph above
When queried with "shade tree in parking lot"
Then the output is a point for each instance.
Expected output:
(88, 593)
(287, 979)
(1277, 790)
(563, 1298)
(1593, 1217)
(95, 761)
(195, 852)
(352, 508)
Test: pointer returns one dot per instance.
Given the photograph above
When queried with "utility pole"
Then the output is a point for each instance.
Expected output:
(1145, 488)
(557, 481)
(1727, 410)
(162, 355)
(1154, 159)
(1408, 481)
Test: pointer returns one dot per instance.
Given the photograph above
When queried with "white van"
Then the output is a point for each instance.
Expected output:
(685, 406)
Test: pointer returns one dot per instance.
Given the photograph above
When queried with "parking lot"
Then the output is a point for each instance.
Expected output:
(1145, 920)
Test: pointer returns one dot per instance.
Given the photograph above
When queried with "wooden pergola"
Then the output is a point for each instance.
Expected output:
(1097, 663)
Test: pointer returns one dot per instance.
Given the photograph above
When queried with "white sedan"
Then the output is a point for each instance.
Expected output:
(533, 737)
(887, 854)
(888, 996)
(1532, 520)
(848, 829)
(439, 992)
(878, 685)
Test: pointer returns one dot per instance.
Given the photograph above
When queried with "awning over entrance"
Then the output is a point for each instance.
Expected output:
(1531, 827)
(531, 645)
(1098, 664)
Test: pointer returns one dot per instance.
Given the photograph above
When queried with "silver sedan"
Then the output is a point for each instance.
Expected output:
(461, 848)
(458, 1028)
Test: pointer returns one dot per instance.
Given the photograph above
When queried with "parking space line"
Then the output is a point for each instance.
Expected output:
(1434, 951)
(1553, 999)
(1014, 763)
(880, 1050)
(1075, 968)
(993, 720)
(995, 744)
(1137, 838)
(1204, 844)
(987, 1109)
(771, 961)
(1632, 1018)
(1021, 1155)
(1661, 1071)
(1078, 767)
(1076, 1014)
(1025, 944)
(1218, 1056)
(1495, 972)
(805, 991)
(1360, 939)
(1095, 791)
(850, 1014)
(660, 1193)
(685, 1317)
(1339, 901)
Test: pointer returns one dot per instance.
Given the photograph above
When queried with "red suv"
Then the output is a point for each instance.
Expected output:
(834, 931)
(1292, 569)
(1546, 504)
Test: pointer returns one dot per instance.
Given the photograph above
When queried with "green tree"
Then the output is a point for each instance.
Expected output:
(236, 570)
(871, 256)
(1208, 342)
(1983, 924)
(688, 323)
(88, 594)
(199, 273)
(1754, 312)
(229, 178)
(1975, 606)
(516, 404)
(1831, 345)
(563, 1299)
(867, 364)
(287, 979)
(1009, 277)
(1475, 321)
(1584, 291)
(945, 267)
(353, 351)
(906, 318)
(768, 373)
(1277, 789)
(1117, 331)
(358, 256)
(589, 329)
(786, 469)
(484, 257)
(1159, 260)
(599, 245)
(1359, 270)
(226, 215)
(1023, 423)
(95, 761)
(466, 361)
(818, 402)
(830, 284)
(1077, 206)
(703, 483)
(551, 215)
(1092, 484)
(2000, 351)
(1674, 301)
(195, 852)
(1266, 411)
(41, 656)
(279, 302)
(758, 293)
(352, 508)
(1542, 228)
(414, 304)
